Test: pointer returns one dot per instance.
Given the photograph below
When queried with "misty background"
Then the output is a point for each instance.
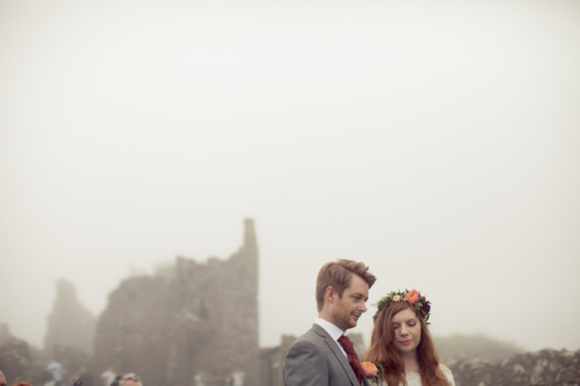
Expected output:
(437, 142)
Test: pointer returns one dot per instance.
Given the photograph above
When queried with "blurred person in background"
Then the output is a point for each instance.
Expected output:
(117, 381)
(55, 369)
(238, 377)
(108, 376)
(200, 378)
(130, 379)
(85, 377)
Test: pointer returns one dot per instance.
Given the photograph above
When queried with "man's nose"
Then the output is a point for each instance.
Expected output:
(364, 307)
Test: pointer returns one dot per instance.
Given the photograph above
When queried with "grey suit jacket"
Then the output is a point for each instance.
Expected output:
(315, 359)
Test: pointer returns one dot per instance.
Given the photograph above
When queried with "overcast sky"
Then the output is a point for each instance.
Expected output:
(438, 142)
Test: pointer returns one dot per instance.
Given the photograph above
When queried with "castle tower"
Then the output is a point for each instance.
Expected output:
(70, 324)
(202, 318)
(249, 234)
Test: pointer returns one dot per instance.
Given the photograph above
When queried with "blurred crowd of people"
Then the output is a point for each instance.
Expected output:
(55, 375)
(232, 378)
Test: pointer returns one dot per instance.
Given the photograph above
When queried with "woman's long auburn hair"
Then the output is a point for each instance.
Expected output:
(384, 352)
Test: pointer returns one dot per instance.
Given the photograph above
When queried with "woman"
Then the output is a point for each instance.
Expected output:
(401, 343)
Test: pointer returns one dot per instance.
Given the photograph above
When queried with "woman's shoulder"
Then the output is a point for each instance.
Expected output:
(447, 372)
(444, 368)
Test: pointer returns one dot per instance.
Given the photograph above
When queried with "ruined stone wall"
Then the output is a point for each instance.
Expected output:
(22, 362)
(132, 333)
(70, 324)
(272, 362)
(204, 317)
(546, 367)
(15, 358)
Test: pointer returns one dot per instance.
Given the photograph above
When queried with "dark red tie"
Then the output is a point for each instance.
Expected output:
(352, 357)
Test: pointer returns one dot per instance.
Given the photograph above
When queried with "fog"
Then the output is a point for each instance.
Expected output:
(437, 142)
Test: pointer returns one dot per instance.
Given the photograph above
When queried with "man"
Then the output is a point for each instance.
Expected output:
(2, 379)
(324, 356)
(108, 376)
(55, 369)
(238, 377)
(200, 378)
(85, 377)
(130, 380)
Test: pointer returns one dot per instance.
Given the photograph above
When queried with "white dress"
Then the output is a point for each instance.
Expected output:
(414, 379)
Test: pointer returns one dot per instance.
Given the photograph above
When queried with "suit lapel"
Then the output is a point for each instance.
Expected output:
(333, 345)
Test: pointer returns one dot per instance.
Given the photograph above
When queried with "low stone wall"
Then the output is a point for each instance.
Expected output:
(546, 367)
(15, 358)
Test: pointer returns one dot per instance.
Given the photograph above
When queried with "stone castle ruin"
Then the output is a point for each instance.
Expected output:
(193, 317)
(200, 317)
(70, 324)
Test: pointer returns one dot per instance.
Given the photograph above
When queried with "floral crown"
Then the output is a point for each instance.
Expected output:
(412, 297)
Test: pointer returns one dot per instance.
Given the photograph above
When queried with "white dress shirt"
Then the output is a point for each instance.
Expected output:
(334, 332)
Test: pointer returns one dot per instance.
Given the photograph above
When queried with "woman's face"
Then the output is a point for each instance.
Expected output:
(407, 329)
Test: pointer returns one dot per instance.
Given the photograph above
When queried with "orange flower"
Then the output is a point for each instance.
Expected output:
(370, 369)
(413, 297)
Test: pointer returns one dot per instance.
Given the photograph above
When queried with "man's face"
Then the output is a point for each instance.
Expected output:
(2, 379)
(351, 306)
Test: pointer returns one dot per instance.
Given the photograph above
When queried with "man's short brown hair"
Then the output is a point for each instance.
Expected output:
(338, 275)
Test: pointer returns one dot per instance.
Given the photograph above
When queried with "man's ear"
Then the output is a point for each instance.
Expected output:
(330, 294)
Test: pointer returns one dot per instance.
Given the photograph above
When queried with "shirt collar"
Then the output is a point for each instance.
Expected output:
(334, 331)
